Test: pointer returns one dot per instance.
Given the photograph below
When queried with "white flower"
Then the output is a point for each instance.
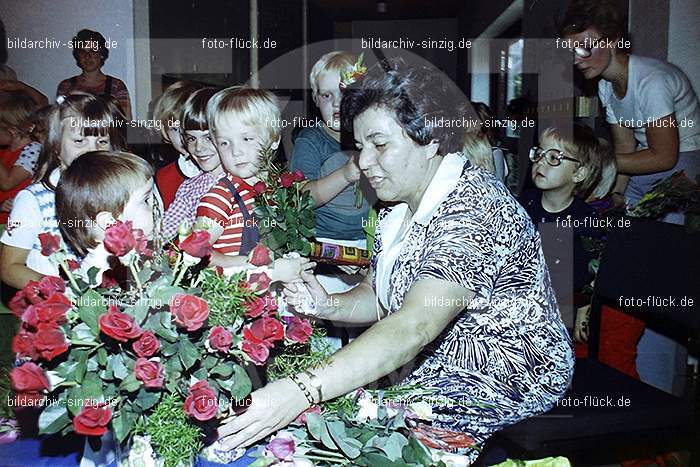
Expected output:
(451, 460)
(368, 409)
(189, 260)
(422, 409)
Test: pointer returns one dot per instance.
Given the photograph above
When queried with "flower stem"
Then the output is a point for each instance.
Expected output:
(71, 278)
(135, 272)
(180, 275)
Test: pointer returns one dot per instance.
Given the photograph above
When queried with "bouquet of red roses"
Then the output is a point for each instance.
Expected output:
(285, 213)
(148, 358)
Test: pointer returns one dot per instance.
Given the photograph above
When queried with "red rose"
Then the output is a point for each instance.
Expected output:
(32, 293)
(108, 280)
(201, 402)
(286, 179)
(270, 303)
(23, 345)
(19, 303)
(259, 188)
(197, 244)
(190, 312)
(260, 256)
(50, 244)
(29, 317)
(92, 420)
(72, 264)
(220, 339)
(29, 378)
(298, 175)
(119, 239)
(264, 330)
(256, 351)
(141, 243)
(255, 308)
(50, 343)
(146, 345)
(151, 373)
(258, 282)
(53, 310)
(118, 325)
(50, 284)
(298, 330)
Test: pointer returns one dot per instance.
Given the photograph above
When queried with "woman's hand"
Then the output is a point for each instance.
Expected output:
(289, 269)
(295, 295)
(272, 408)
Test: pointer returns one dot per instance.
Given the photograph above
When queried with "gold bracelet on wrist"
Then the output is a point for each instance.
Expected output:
(303, 388)
(315, 383)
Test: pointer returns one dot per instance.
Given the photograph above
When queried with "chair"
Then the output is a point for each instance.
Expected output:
(644, 259)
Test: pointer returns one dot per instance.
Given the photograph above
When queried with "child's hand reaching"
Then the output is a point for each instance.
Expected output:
(289, 269)
(350, 171)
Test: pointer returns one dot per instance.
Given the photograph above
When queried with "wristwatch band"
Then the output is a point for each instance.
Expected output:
(316, 384)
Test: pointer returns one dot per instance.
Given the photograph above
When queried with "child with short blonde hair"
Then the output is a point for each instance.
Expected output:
(332, 172)
(242, 124)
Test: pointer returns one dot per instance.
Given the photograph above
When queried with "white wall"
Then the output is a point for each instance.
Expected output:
(684, 37)
(60, 20)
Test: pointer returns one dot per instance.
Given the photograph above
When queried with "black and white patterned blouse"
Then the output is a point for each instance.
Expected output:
(509, 351)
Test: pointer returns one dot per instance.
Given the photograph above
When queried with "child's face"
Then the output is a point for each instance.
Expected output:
(175, 139)
(565, 175)
(74, 143)
(139, 209)
(202, 150)
(239, 147)
(328, 98)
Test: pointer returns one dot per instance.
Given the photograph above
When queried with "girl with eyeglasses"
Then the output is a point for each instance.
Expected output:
(650, 104)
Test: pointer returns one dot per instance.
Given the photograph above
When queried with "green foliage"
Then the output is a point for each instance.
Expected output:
(285, 215)
(173, 437)
(297, 358)
(6, 394)
(225, 297)
(675, 193)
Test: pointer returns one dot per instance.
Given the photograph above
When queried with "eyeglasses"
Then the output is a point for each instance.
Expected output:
(583, 52)
(553, 157)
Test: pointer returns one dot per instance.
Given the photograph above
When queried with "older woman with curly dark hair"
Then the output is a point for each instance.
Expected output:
(459, 296)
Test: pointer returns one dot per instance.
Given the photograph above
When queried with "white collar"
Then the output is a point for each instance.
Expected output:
(54, 176)
(442, 184)
(188, 168)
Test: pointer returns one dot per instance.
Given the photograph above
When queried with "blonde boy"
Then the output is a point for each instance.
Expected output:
(242, 123)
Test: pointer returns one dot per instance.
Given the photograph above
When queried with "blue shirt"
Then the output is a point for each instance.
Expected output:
(317, 155)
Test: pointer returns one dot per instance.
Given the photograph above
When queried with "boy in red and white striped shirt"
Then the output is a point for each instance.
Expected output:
(242, 122)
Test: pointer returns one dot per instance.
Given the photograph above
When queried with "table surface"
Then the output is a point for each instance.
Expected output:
(57, 451)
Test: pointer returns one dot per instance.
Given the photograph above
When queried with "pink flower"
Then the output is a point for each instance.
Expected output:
(298, 176)
(282, 446)
(298, 330)
(189, 311)
(197, 244)
(201, 402)
(313, 409)
(151, 373)
(256, 351)
(146, 345)
(141, 243)
(220, 339)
